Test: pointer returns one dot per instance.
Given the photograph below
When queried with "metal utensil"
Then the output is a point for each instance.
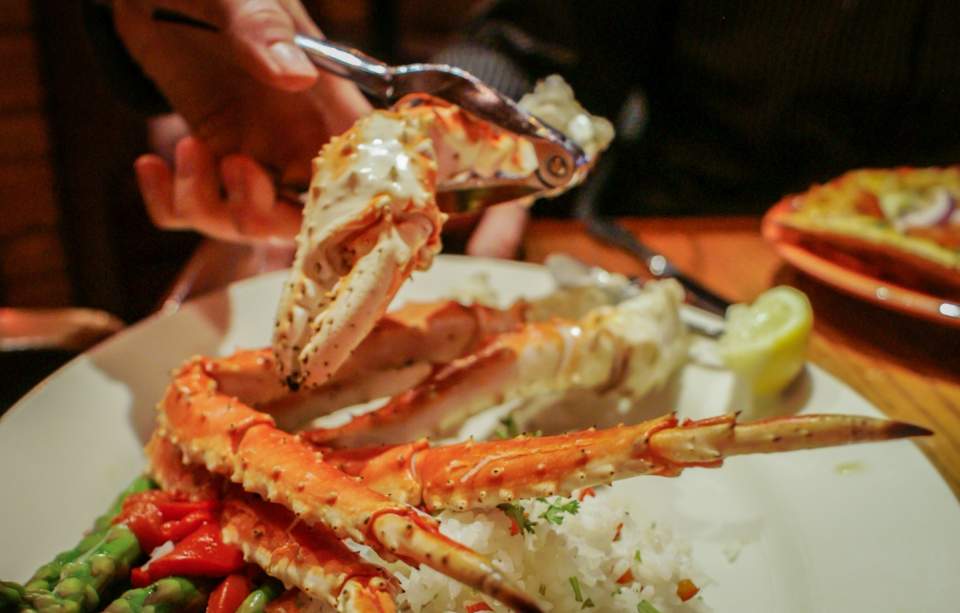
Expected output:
(630, 125)
(568, 271)
(560, 160)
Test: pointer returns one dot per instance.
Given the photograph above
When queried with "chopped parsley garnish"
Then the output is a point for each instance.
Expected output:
(556, 509)
(578, 594)
(509, 429)
(645, 607)
(637, 556)
(517, 516)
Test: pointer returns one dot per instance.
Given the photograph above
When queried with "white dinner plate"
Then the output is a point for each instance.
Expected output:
(862, 528)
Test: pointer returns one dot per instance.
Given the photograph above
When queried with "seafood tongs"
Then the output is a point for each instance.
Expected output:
(560, 160)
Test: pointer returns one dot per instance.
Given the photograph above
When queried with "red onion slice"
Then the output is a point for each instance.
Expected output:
(939, 207)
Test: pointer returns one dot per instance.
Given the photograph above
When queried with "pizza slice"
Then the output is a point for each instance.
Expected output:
(902, 225)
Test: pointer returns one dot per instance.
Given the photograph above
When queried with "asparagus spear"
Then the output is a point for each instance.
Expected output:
(83, 580)
(166, 595)
(49, 574)
(11, 596)
(257, 600)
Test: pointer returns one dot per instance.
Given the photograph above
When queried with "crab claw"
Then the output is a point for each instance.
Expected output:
(370, 220)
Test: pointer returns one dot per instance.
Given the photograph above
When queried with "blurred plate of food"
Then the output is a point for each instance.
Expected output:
(891, 237)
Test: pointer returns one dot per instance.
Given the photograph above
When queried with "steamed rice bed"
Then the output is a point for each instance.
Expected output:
(544, 561)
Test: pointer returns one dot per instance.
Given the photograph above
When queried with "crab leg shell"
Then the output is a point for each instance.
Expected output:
(476, 475)
(244, 446)
(538, 358)
(429, 332)
(297, 410)
(361, 298)
(309, 557)
(707, 441)
(285, 470)
(395, 356)
(628, 349)
(231, 439)
(370, 220)
(166, 466)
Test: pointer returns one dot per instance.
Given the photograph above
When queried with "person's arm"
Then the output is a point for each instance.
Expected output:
(256, 109)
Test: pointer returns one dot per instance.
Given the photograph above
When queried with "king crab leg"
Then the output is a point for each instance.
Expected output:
(631, 348)
(371, 219)
(479, 475)
(399, 352)
(311, 558)
(371, 495)
(235, 441)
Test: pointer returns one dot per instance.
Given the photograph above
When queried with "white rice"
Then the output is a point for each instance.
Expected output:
(582, 547)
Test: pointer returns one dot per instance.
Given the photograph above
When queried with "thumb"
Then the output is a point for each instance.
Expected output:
(261, 32)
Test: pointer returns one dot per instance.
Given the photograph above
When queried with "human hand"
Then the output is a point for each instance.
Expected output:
(247, 89)
(254, 100)
(499, 234)
(188, 196)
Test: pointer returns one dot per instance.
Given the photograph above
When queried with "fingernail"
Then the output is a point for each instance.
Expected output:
(291, 59)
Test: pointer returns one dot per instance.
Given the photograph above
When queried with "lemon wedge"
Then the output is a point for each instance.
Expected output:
(765, 343)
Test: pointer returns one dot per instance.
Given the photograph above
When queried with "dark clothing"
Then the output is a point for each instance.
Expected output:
(747, 100)
(750, 100)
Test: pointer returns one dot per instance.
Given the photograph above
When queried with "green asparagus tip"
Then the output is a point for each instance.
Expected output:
(11, 596)
(257, 600)
(167, 595)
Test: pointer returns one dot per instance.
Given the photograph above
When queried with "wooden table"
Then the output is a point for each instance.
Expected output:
(908, 368)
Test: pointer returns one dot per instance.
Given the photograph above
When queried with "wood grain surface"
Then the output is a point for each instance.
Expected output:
(908, 368)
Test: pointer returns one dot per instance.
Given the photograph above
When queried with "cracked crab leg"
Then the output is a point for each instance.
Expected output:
(631, 348)
(371, 219)
(311, 558)
(397, 354)
(231, 439)
(476, 475)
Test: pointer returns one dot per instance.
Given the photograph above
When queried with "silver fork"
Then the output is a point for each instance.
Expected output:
(560, 160)
(630, 125)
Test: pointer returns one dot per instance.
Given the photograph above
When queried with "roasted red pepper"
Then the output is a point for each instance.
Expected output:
(229, 594)
(178, 509)
(686, 589)
(157, 517)
(478, 606)
(146, 522)
(181, 528)
(202, 554)
(585, 492)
